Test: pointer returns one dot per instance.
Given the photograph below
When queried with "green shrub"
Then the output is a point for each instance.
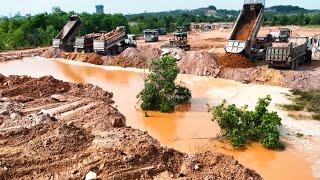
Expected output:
(309, 100)
(240, 126)
(160, 92)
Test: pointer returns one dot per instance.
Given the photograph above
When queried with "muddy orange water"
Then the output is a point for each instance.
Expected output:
(190, 128)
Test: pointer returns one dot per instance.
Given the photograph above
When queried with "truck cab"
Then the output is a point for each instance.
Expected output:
(284, 34)
(131, 41)
(151, 35)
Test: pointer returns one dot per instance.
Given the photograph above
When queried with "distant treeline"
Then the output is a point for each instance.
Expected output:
(39, 30)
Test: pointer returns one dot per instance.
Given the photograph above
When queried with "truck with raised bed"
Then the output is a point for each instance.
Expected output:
(66, 38)
(113, 42)
(290, 55)
(246, 28)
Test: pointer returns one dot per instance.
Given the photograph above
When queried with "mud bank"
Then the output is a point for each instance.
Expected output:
(204, 63)
(11, 55)
(51, 129)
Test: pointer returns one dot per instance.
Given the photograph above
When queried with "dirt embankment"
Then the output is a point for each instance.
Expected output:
(306, 77)
(52, 53)
(51, 129)
(133, 57)
(91, 58)
(11, 55)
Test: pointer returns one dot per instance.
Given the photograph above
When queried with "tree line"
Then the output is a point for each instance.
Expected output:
(39, 30)
(32, 31)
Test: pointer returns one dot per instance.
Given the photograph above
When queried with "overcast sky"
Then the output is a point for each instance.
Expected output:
(11, 7)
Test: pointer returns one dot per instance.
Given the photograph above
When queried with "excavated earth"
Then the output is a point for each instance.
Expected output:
(195, 62)
(51, 129)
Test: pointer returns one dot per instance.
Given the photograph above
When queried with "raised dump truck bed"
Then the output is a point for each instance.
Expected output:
(288, 56)
(246, 28)
(66, 37)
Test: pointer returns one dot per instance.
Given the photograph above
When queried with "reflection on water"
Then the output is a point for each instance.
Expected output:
(190, 128)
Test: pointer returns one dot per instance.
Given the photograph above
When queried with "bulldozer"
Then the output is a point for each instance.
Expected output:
(179, 41)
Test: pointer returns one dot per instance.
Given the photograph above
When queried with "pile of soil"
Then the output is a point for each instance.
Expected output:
(234, 61)
(305, 78)
(11, 55)
(81, 133)
(133, 57)
(208, 44)
(105, 36)
(200, 63)
(52, 53)
(91, 58)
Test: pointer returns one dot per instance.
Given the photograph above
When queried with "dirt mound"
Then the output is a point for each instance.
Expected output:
(133, 57)
(64, 139)
(234, 61)
(199, 63)
(86, 137)
(225, 167)
(52, 53)
(91, 58)
(23, 87)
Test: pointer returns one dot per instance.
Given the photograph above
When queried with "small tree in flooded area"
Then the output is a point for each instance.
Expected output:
(240, 126)
(160, 92)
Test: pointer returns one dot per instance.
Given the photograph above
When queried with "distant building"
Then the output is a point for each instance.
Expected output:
(99, 9)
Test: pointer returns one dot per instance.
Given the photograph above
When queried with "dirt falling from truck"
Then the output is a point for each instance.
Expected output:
(234, 61)
(246, 25)
(242, 32)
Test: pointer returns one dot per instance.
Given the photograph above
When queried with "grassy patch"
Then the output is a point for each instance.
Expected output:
(292, 107)
(316, 116)
(305, 100)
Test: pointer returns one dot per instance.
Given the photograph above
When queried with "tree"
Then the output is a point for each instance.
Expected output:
(160, 92)
(240, 125)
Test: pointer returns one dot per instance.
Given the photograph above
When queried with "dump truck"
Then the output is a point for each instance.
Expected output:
(113, 42)
(66, 37)
(260, 45)
(246, 28)
(179, 41)
(290, 55)
(151, 35)
(85, 43)
(284, 34)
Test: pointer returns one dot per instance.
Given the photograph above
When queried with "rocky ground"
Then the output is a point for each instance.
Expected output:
(51, 129)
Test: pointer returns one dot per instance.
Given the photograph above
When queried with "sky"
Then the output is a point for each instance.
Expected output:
(11, 7)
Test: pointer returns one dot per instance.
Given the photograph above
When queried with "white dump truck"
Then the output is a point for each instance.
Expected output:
(113, 42)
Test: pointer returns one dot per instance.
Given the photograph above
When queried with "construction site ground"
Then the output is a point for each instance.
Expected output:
(206, 58)
(51, 129)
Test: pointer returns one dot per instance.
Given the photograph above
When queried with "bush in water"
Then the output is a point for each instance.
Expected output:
(240, 125)
(160, 92)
